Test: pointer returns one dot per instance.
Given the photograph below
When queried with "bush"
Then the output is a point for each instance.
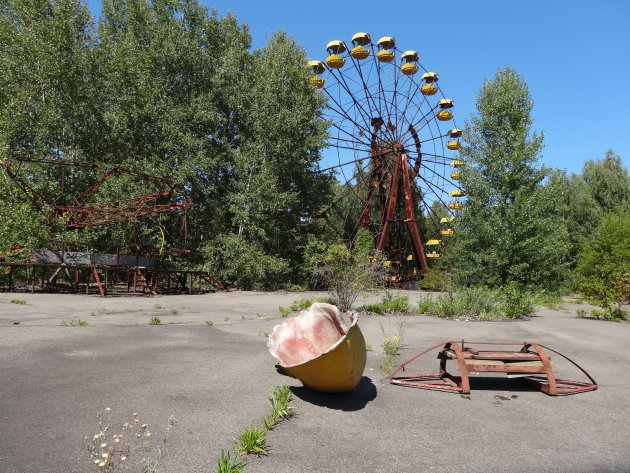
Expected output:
(604, 264)
(243, 264)
(480, 303)
(346, 269)
(436, 280)
(390, 303)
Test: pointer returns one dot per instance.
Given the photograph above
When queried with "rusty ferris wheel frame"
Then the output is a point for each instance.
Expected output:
(390, 135)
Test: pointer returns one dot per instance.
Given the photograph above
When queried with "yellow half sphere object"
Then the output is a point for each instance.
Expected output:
(319, 349)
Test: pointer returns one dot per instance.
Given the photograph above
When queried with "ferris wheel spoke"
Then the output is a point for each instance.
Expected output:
(345, 86)
(437, 195)
(337, 127)
(368, 94)
(343, 114)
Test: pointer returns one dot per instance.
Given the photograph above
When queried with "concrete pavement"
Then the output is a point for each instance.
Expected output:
(215, 381)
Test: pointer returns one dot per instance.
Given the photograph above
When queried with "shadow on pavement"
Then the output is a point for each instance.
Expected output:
(353, 401)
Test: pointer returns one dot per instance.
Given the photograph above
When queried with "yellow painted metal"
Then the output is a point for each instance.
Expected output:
(410, 56)
(430, 77)
(338, 370)
(457, 163)
(386, 42)
(385, 55)
(447, 219)
(456, 176)
(317, 67)
(433, 242)
(454, 133)
(317, 82)
(409, 257)
(453, 144)
(444, 115)
(457, 193)
(428, 89)
(446, 233)
(335, 61)
(336, 47)
(455, 205)
(362, 39)
(446, 103)
(409, 68)
(360, 52)
(433, 255)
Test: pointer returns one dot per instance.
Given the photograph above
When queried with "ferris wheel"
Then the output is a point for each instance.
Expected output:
(390, 135)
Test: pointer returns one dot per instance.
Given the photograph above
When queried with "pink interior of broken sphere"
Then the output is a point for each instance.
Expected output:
(310, 334)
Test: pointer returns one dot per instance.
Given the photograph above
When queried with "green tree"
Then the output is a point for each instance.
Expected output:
(276, 184)
(608, 181)
(604, 263)
(508, 230)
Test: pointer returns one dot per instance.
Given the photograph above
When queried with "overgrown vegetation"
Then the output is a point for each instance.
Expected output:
(253, 440)
(604, 265)
(303, 304)
(346, 270)
(175, 90)
(390, 347)
(130, 447)
(390, 303)
(511, 302)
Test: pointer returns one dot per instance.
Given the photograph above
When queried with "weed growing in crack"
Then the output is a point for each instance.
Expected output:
(228, 464)
(74, 323)
(252, 441)
(130, 447)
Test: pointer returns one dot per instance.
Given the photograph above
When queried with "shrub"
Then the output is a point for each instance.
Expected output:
(482, 303)
(389, 303)
(346, 269)
(604, 264)
(517, 302)
(155, 320)
(436, 280)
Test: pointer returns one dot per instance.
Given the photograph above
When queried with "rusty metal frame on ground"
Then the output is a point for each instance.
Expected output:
(530, 363)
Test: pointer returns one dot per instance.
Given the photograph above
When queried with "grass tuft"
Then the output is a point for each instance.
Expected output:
(155, 320)
(18, 301)
(74, 323)
(209, 323)
(252, 441)
(228, 464)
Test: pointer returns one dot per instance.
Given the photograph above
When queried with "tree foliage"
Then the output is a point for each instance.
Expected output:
(604, 262)
(169, 88)
(508, 230)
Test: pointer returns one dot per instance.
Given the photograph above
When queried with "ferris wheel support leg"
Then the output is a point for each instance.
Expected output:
(390, 208)
(410, 219)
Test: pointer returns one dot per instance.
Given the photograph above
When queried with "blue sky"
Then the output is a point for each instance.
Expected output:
(574, 55)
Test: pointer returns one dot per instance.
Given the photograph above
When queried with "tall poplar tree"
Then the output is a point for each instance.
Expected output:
(508, 230)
